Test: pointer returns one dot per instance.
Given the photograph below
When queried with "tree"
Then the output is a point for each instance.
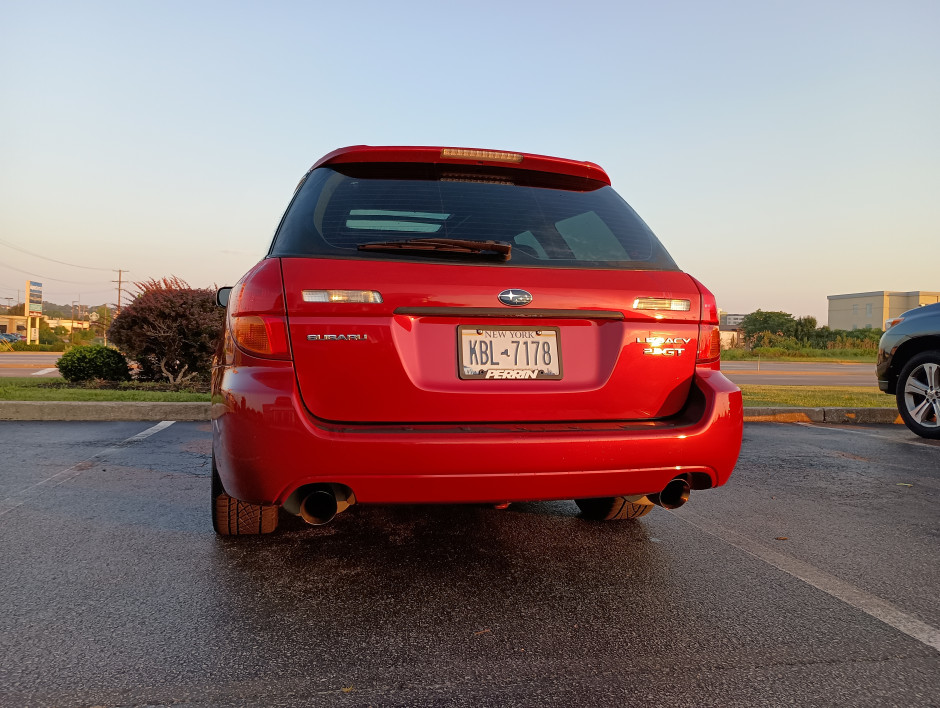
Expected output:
(773, 322)
(81, 336)
(170, 329)
(46, 335)
(804, 330)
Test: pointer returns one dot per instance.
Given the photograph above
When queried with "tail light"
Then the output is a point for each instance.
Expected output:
(257, 318)
(709, 333)
(709, 345)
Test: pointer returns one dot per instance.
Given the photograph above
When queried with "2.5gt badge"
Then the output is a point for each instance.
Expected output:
(664, 346)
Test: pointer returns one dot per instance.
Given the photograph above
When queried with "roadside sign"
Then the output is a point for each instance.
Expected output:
(34, 298)
(32, 308)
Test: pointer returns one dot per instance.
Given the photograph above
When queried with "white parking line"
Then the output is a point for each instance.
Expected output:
(43, 372)
(22, 496)
(855, 597)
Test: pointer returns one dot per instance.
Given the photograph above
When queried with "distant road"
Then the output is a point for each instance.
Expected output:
(789, 373)
(29, 363)
(769, 373)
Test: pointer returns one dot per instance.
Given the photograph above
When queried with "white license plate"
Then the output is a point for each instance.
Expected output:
(503, 352)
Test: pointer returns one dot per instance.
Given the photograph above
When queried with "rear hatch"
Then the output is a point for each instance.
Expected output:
(473, 293)
(400, 360)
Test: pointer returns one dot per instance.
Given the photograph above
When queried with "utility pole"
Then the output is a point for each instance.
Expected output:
(119, 282)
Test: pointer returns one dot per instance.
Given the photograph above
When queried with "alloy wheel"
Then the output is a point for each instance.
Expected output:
(922, 395)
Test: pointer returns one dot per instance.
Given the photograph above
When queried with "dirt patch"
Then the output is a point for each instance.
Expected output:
(850, 456)
(199, 447)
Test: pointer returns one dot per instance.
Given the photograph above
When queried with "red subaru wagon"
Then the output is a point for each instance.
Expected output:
(444, 325)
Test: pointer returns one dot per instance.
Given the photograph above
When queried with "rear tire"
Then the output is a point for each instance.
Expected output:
(231, 517)
(612, 508)
(918, 395)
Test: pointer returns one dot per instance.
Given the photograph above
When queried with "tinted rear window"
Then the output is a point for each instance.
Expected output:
(550, 220)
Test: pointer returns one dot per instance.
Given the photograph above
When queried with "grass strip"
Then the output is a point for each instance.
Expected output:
(816, 396)
(22, 388)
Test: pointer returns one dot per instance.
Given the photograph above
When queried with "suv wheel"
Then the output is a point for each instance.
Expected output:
(231, 517)
(612, 508)
(918, 394)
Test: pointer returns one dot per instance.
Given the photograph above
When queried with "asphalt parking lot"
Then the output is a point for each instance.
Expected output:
(812, 578)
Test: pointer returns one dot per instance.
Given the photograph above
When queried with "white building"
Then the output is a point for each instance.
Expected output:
(875, 309)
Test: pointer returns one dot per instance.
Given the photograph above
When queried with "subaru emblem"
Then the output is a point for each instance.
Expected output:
(515, 298)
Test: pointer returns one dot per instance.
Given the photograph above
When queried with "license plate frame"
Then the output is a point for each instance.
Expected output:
(476, 362)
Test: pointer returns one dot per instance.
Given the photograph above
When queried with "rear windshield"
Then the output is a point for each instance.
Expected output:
(549, 220)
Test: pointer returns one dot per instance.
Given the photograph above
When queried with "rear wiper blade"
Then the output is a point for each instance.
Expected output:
(496, 249)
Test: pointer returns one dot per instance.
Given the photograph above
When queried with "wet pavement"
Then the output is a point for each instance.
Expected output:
(812, 578)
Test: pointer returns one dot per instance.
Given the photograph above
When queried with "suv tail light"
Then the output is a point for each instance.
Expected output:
(709, 333)
(257, 318)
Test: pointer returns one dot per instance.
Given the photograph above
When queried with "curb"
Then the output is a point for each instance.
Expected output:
(144, 411)
(823, 415)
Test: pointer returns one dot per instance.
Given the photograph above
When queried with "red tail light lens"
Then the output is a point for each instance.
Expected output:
(256, 315)
(709, 344)
(709, 334)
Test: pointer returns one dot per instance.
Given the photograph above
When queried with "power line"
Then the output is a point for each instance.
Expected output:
(57, 280)
(46, 258)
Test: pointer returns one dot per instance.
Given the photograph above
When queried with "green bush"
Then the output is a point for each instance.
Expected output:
(93, 362)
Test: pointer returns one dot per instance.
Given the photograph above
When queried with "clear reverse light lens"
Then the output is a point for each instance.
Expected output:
(661, 303)
(342, 296)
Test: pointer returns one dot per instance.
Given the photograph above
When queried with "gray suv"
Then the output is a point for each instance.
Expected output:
(909, 368)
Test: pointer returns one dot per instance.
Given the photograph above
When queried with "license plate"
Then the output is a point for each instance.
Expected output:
(504, 352)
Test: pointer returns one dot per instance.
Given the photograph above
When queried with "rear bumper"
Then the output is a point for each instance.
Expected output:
(267, 445)
(886, 348)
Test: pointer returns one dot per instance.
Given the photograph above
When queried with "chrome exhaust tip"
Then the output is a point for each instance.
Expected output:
(674, 495)
(318, 507)
(318, 504)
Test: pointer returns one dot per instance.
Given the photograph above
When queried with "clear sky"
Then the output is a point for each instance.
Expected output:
(783, 150)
